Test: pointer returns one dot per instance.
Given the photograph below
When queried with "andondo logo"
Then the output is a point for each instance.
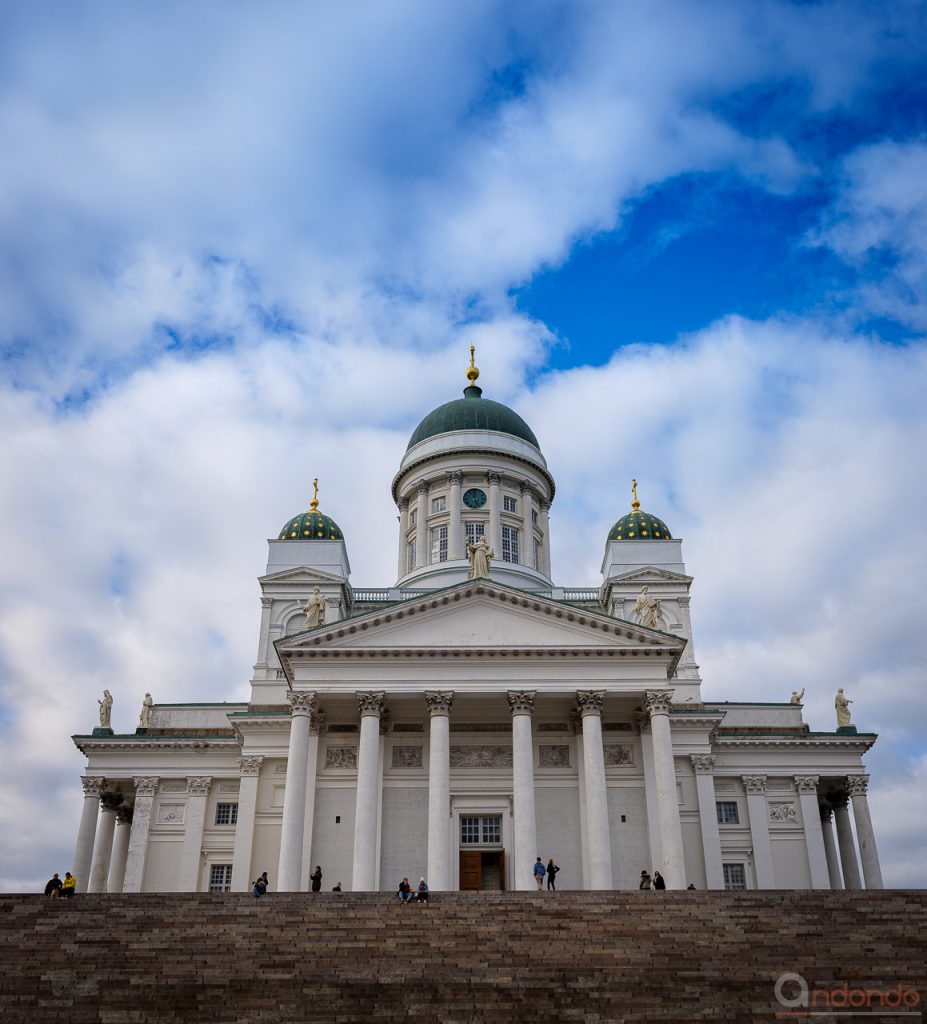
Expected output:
(800, 999)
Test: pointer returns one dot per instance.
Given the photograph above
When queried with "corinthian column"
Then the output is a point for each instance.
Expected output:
(103, 848)
(848, 861)
(521, 704)
(704, 766)
(598, 834)
(495, 512)
(422, 547)
(758, 810)
(249, 768)
(289, 867)
(830, 848)
(371, 706)
(527, 546)
(193, 821)
(145, 790)
(545, 542)
(87, 832)
(117, 864)
(402, 568)
(814, 836)
(454, 533)
(858, 785)
(439, 789)
(657, 704)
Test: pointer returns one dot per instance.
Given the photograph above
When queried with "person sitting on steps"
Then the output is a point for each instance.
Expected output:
(405, 891)
(421, 894)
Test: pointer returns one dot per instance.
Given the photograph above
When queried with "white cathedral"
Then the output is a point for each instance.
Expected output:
(473, 717)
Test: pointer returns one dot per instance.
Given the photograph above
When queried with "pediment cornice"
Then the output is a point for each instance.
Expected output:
(650, 574)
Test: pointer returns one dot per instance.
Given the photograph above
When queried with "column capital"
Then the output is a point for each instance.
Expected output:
(526, 487)
(858, 785)
(266, 602)
(454, 477)
(422, 487)
(93, 785)
(124, 814)
(544, 505)
(371, 703)
(402, 504)
(301, 703)
(807, 783)
(684, 601)
(250, 764)
(198, 785)
(110, 801)
(439, 702)
(703, 764)
(317, 723)
(146, 786)
(493, 477)
(521, 702)
(754, 784)
(590, 702)
(658, 702)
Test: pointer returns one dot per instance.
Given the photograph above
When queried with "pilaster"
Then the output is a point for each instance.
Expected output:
(814, 836)
(145, 790)
(194, 820)
(704, 767)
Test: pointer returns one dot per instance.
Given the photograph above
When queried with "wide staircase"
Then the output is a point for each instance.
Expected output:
(493, 957)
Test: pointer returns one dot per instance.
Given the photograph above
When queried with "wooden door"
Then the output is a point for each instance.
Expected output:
(471, 875)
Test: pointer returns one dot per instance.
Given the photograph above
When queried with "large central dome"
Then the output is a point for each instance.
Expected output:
(473, 412)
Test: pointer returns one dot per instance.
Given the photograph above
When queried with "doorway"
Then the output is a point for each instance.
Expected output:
(482, 870)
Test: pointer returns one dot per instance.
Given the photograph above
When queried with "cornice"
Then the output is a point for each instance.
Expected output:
(861, 741)
(86, 744)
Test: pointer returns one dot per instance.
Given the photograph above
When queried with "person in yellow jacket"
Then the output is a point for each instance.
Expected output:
(68, 885)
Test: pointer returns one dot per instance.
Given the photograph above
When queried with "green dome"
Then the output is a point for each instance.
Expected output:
(473, 412)
(639, 526)
(312, 525)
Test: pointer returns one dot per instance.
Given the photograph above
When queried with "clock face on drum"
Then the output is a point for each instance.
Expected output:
(474, 498)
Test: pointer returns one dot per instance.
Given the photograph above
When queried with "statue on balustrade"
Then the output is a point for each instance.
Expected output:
(797, 697)
(106, 709)
(842, 706)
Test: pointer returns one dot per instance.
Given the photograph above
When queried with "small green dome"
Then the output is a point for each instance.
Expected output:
(312, 525)
(473, 412)
(637, 525)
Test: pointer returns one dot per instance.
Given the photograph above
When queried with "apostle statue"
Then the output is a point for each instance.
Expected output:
(314, 609)
(106, 709)
(842, 706)
(648, 609)
(479, 554)
(144, 719)
(797, 697)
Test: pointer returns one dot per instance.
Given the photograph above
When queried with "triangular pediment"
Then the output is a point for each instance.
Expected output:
(650, 574)
(486, 616)
(299, 575)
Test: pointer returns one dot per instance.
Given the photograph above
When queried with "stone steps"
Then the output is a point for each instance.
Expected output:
(569, 956)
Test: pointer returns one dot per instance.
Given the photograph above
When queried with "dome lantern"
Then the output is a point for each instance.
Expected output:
(312, 525)
(637, 525)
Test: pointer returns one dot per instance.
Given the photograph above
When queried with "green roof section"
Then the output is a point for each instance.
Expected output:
(473, 412)
(639, 526)
(312, 525)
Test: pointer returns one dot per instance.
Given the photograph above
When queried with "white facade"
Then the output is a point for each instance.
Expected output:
(460, 728)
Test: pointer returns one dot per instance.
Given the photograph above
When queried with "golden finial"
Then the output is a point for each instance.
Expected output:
(314, 504)
(635, 504)
(472, 372)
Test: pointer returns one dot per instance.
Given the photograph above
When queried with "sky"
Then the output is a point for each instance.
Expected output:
(242, 246)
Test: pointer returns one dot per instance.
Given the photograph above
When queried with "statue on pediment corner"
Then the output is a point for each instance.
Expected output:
(648, 609)
(314, 609)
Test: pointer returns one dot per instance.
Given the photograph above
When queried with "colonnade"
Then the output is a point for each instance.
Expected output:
(842, 865)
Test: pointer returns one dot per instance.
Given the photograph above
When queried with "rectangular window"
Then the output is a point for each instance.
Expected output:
(481, 831)
(410, 556)
(469, 831)
(439, 544)
(509, 544)
(735, 877)
(474, 531)
(226, 814)
(220, 877)
(537, 555)
(534, 517)
(413, 517)
(727, 812)
(438, 504)
(509, 504)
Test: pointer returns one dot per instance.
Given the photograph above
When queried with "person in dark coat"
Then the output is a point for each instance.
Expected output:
(658, 882)
(645, 881)
(53, 887)
(316, 877)
(552, 869)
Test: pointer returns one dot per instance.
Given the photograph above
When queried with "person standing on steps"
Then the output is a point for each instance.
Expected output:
(265, 881)
(645, 881)
(316, 877)
(552, 869)
(658, 882)
(539, 872)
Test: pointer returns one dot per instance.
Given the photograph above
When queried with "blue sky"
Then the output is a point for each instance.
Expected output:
(242, 247)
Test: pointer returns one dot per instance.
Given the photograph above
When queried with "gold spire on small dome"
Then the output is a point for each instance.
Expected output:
(314, 504)
(472, 373)
(635, 504)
